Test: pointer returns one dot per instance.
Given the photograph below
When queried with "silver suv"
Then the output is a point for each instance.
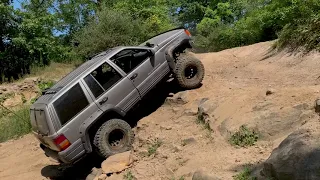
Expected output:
(86, 110)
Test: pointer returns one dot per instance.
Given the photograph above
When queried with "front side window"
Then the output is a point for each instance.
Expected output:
(70, 104)
(129, 59)
(102, 79)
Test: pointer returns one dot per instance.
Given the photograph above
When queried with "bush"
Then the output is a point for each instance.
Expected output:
(110, 29)
(244, 137)
(43, 85)
(303, 33)
(129, 176)
(295, 23)
(15, 124)
(154, 146)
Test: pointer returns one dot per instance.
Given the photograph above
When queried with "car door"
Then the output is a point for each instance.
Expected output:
(111, 89)
(139, 66)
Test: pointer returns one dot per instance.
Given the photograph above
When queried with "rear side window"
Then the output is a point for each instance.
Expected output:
(96, 88)
(70, 104)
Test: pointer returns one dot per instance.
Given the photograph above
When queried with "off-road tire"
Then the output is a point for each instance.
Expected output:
(185, 61)
(101, 138)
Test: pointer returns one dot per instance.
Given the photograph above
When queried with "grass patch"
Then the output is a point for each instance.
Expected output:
(244, 175)
(244, 137)
(23, 98)
(181, 178)
(44, 85)
(33, 100)
(15, 124)
(154, 146)
(6, 96)
(129, 176)
(202, 120)
(53, 71)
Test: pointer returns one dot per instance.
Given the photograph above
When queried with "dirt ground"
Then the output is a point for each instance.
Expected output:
(235, 84)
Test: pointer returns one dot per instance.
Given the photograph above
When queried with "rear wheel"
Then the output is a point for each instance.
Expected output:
(113, 137)
(189, 71)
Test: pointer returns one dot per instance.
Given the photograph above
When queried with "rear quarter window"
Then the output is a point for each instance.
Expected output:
(70, 104)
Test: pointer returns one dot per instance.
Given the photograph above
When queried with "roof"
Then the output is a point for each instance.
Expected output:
(72, 76)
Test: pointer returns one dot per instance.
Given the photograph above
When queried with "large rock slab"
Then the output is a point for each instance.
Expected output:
(180, 98)
(117, 163)
(200, 175)
(297, 157)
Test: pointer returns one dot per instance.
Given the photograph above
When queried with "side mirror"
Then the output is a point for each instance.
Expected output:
(151, 52)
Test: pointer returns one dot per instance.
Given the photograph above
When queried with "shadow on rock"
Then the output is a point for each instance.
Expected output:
(152, 101)
(78, 171)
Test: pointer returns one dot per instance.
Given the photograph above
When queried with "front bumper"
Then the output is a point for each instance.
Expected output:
(71, 155)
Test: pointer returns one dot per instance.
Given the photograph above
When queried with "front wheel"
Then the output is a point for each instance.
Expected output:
(113, 137)
(189, 71)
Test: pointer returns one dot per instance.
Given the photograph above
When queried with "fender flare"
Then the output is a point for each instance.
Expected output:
(182, 44)
(94, 118)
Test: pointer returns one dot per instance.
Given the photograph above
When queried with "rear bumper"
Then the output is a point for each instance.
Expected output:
(71, 155)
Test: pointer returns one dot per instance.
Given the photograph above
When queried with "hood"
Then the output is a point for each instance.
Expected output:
(163, 38)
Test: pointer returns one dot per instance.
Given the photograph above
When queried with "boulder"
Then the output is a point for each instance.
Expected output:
(206, 107)
(14, 101)
(117, 163)
(317, 105)
(32, 80)
(101, 177)
(270, 91)
(90, 177)
(200, 175)
(297, 157)
(190, 112)
(189, 141)
(179, 98)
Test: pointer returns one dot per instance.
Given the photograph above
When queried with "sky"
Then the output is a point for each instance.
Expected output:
(16, 4)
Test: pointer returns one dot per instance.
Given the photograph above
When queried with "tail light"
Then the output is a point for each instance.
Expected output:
(187, 32)
(62, 142)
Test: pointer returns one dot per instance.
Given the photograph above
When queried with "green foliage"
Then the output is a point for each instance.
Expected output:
(129, 176)
(202, 120)
(259, 20)
(244, 137)
(43, 85)
(15, 124)
(23, 98)
(125, 23)
(303, 33)
(33, 100)
(6, 96)
(244, 175)
(110, 29)
(181, 178)
(28, 39)
(154, 146)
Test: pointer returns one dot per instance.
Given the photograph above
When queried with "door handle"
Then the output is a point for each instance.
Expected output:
(104, 100)
(135, 75)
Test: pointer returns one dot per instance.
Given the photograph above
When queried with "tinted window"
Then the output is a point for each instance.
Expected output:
(106, 76)
(95, 88)
(70, 104)
(129, 59)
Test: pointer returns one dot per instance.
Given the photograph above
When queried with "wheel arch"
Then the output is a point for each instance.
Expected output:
(177, 46)
(90, 126)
